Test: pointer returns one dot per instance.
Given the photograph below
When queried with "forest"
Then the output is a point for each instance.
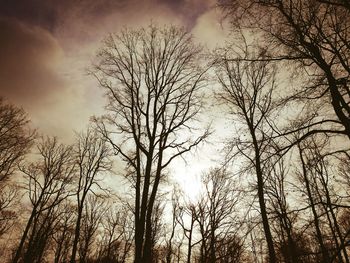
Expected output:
(279, 190)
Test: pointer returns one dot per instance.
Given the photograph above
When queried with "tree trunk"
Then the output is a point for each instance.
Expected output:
(324, 251)
(76, 234)
(189, 248)
(261, 197)
(24, 236)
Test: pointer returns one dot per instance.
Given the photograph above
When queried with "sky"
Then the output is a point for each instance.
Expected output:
(47, 46)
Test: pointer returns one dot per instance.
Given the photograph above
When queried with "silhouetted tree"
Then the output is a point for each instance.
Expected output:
(215, 216)
(118, 233)
(9, 197)
(47, 184)
(93, 213)
(170, 235)
(188, 211)
(247, 89)
(322, 199)
(91, 153)
(229, 249)
(313, 34)
(15, 138)
(62, 238)
(152, 81)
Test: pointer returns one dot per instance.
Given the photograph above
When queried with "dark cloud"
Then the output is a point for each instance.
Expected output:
(37, 12)
(46, 46)
(50, 14)
(28, 56)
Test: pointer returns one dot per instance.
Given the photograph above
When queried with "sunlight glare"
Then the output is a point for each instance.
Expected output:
(189, 179)
(192, 186)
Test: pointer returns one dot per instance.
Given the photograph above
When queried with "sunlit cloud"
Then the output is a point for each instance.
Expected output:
(48, 47)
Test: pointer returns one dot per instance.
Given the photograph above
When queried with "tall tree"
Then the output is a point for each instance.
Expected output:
(48, 184)
(324, 202)
(314, 34)
(9, 200)
(247, 89)
(118, 234)
(91, 153)
(15, 138)
(94, 211)
(214, 214)
(152, 81)
(188, 210)
(63, 236)
(276, 189)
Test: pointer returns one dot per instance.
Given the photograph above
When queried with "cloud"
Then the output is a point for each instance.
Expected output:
(29, 55)
(50, 14)
(32, 75)
(210, 29)
(46, 46)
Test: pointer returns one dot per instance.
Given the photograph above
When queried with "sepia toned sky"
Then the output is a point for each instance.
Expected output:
(46, 47)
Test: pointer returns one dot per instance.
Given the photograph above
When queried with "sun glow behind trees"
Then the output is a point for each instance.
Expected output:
(272, 187)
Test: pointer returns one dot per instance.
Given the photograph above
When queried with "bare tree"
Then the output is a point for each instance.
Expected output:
(15, 138)
(92, 159)
(8, 199)
(40, 238)
(170, 232)
(230, 249)
(188, 211)
(247, 88)
(48, 184)
(313, 206)
(118, 228)
(63, 236)
(313, 34)
(277, 190)
(152, 81)
(324, 203)
(215, 215)
(94, 211)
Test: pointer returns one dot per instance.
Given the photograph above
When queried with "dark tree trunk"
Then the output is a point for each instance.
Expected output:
(324, 251)
(261, 197)
(76, 234)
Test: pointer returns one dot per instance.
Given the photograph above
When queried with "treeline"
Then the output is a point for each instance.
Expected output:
(281, 190)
